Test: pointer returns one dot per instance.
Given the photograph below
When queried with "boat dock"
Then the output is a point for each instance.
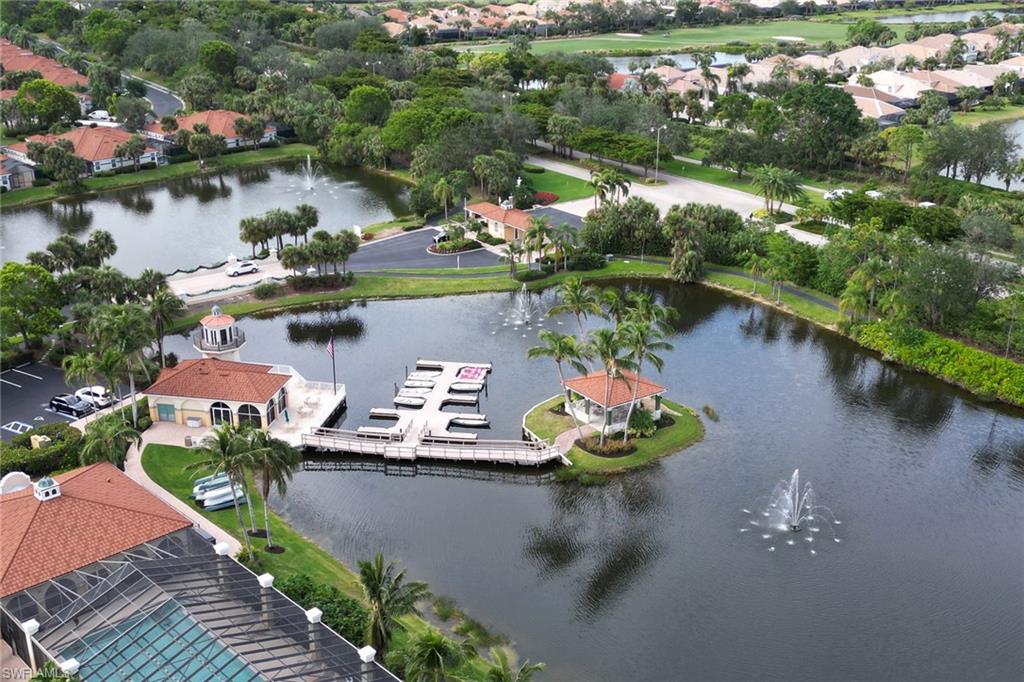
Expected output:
(421, 427)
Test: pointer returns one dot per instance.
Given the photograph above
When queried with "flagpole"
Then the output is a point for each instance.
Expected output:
(334, 367)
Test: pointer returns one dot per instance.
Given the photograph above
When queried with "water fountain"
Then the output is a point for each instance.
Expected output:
(789, 510)
(310, 173)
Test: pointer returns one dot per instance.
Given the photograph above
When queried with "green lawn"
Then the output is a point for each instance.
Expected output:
(381, 287)
(566, 187)
(811, 32)
(34, 195)
(727, 178)
(1010, 112)
(742, 284)
(165, 464)
(686, 431)
(397, 223)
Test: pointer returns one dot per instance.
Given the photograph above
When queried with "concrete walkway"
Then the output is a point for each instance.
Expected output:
(173, 434)
(565, 440)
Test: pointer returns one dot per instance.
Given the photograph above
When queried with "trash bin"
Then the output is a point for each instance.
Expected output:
(188, 441)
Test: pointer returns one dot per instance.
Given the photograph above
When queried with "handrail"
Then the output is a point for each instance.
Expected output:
(203, 344)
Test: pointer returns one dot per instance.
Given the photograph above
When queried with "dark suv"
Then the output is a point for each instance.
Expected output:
(69, 404)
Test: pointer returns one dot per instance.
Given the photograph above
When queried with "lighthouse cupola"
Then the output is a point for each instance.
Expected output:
(219, 336)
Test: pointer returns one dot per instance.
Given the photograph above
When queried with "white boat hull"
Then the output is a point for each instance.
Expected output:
(466, 386)
(412, 392)
(409, 401)
(419, 383)
(423, 375)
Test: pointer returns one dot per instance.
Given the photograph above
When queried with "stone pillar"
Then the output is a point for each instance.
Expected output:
(267, 584)
(366, 655)
(313, 617)
(31, 627)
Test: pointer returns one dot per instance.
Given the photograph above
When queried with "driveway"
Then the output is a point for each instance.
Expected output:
(25, 393)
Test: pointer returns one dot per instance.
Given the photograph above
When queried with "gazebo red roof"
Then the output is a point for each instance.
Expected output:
(593, 387)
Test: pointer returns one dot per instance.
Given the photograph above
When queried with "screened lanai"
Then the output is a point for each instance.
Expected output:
(192, 616)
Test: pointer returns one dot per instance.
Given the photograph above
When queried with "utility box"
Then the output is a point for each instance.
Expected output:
(40, 442)
(188, 441)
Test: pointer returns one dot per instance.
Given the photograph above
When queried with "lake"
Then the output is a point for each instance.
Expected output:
(650, 577)
(940, 17)
(193, 221)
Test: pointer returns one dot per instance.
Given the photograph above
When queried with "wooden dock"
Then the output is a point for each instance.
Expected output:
(424, 433)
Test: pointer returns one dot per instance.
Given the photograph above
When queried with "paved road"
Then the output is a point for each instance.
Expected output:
(676, 190)
(402, 251)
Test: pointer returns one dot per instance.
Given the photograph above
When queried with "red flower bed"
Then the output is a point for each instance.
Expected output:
(367, 236)
(545, 198)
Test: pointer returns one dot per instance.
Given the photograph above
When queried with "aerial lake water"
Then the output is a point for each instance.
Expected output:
(194, 221)
(656, 575)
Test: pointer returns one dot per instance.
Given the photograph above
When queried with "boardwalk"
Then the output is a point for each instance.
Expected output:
(424, 433)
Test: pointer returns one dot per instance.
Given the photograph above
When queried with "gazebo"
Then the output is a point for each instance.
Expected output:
(596, 399)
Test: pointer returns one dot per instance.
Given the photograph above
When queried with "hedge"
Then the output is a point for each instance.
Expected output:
(63, 452)
(981, 373)
(343, 614)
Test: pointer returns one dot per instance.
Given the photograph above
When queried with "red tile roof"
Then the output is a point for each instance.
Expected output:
(618, 81)
(15, 58)
(217, 321)
(397, 15)
(91, 144)
(594, 385)
(214, 379)
(506, 216)
(219, 121)
(99, 513)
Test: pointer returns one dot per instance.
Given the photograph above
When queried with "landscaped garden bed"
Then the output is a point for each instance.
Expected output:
(454, 246)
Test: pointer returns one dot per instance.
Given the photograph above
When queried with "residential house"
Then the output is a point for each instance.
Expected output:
(669, 74)
(219, 122)
(980, 44)
(106, 580)
(510, 224)
(14, 58)
(912, 51)
(399, 16)
(966, 78)
(96, 146)
(1003, 28)
(623, 81)
(1015, 63)
(393, 29)
(886, 114)
(857, 57)
(895, 83)
(15, 174)
(939, 81)
(824, 62)
(875, 93)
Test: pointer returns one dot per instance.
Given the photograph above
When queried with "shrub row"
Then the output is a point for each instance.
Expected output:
(310, 282)
(984, 374)
(343, 614)
(488, 238)
(62, 453)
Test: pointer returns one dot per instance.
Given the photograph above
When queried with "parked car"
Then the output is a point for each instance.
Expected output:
(873, 194)
(834, 194)
(440, 237)
(96, 396)
(244, 267)
(65, 403)
(100, 115)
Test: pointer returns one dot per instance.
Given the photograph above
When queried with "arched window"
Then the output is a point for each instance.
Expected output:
(248, 414)
(220, 413)
(271, 411)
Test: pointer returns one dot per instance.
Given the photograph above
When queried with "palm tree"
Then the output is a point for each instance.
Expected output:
(430, 657)
(125, 329)
(756, 266)
(306, 218)
(606, 345)
(163, 308)
(776, 184)
(227, 451)
(510, 253)
(642, 338)
(561, 348)
(598, 183)
(540, 230)
(735, 73)
(870, 276)
(273, 461)
(444, 194)
(108, 440)
(579, 299)
(564, 237)
(388, 596)
(81, 366)
(854, 301)
(614, 304)
(502, 668)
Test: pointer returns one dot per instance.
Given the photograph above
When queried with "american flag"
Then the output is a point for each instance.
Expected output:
(330, 347)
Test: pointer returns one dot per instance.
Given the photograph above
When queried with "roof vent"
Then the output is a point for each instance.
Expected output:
(46, 489)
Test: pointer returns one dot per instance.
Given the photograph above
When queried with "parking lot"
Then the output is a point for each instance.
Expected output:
(25, 393)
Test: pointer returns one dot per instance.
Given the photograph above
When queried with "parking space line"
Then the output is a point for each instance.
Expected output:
(27, 374)
(11, 383)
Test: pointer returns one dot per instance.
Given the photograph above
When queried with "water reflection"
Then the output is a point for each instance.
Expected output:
(1001, 450)
(319, 329)
(71, 216)
(136, 200)
(609, 534)
(203, 188)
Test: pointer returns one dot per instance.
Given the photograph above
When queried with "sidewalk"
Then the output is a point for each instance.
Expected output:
(173, 434)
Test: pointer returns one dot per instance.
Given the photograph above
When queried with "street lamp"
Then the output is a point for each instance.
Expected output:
(373, 66)
(657, 148)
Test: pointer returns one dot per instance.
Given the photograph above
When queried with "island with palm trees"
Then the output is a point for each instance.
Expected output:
(611, 417)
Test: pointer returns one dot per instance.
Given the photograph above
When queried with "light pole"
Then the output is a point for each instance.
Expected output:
(373, 66)
(657, 148)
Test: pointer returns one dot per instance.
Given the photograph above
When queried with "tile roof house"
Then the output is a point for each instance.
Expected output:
(938, 81)
(669, 74)
(96, 146)
(396, 15)
(15, 174)
(623, 81)
(510, 224)
(97, 512)
(883, 112)
(14, 58)
(896, 83)
(857, 57)
(219, 121)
